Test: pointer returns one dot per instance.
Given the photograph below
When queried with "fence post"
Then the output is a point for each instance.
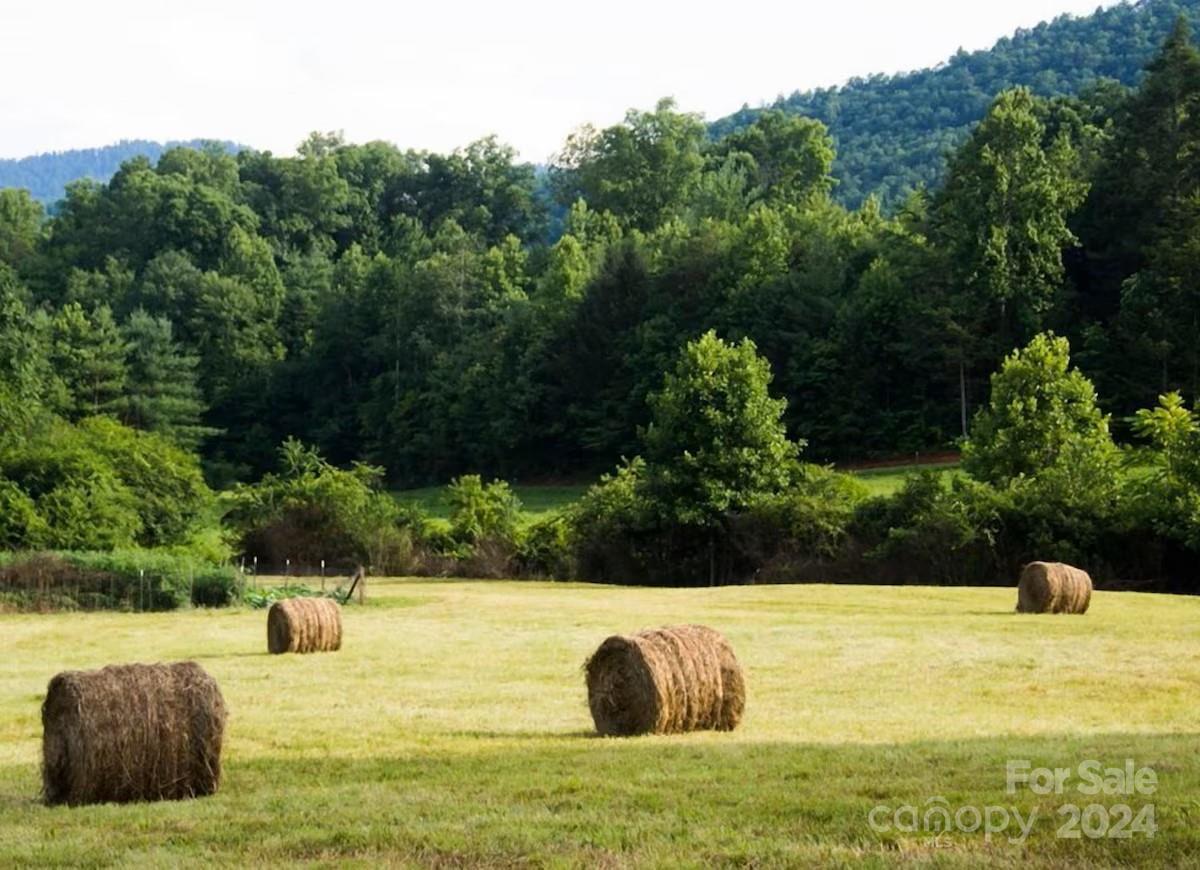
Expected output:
(322, 575)
(141, 590)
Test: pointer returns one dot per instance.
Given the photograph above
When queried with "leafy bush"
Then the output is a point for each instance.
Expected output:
(546, 549)
(117, 579)
(932, 533)
(311, 511)
(479, 511)
(260, 598)
(605, 523)
(20, 523)
(813, 516)
(167, 481)
(99, 485)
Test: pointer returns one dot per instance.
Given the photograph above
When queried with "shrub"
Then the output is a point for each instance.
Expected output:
(932, 533)
(99, 485)
(546, 549)
(811, 518)
(167, 482)
(311, 511)
(479, 512)
(605, 522)
(20, 523)
(117, 579)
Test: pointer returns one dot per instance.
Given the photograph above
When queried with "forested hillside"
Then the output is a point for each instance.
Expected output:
(709, 318)
(46, 176)
(893, 132)
(404, 307)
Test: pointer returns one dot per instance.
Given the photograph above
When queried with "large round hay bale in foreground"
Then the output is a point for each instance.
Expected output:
(665, 681)
(304, 625)
(1052, 587)
(132, 733)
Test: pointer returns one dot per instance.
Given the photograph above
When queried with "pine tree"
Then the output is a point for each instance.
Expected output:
(89, 353)
(161, 392)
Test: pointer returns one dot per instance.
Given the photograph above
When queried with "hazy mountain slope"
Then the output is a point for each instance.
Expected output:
(46, 175)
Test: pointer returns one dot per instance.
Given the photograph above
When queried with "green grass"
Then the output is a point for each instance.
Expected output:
(537, 501)
(541, 501)
(886, 481)
(452, 730)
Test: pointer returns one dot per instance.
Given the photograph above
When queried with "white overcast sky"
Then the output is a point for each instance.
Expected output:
(439, 74)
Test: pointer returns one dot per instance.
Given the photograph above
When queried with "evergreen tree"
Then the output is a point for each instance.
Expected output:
(88, 354)
(161, 393)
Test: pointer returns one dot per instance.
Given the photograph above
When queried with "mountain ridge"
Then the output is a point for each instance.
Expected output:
(892, 131)
(47, 174)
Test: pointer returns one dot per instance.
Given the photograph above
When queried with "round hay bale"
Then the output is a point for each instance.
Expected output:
(665, 681)
(132, 733)
(304, 625)
(1052, 587)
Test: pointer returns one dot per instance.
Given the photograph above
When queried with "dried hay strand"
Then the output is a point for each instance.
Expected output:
(304, 625)
(1052, 587)
(665, 681)
(132, 733)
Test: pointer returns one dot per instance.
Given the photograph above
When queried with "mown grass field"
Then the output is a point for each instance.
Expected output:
(452, 730)
(541, 501)
(886, 481)
(536, 501)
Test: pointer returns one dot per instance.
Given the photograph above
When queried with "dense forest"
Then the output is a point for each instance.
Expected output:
(405, 309)
(46, 176)
(893, 132)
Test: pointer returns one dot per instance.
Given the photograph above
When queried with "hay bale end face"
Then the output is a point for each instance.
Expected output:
(132, 733)
(1052, 587)
(665, 681)
(304, 625)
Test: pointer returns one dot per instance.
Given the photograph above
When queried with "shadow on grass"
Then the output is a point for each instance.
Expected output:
(706, 799)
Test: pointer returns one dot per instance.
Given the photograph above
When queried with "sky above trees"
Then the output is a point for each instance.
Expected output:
(438, 76)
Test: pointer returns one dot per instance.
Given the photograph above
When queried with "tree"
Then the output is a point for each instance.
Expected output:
(20, 226)
(792, 155)
(24, 359)
(642, 171)
(161, 393)
(1143, 225)
(1042, 416)
(1170, 494)
(1002, 218)
(716, 439)
(88, 355)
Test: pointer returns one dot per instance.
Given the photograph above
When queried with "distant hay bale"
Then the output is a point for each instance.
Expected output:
(1052, 587)
(665, 681)
(132, 733)
(304, 625)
